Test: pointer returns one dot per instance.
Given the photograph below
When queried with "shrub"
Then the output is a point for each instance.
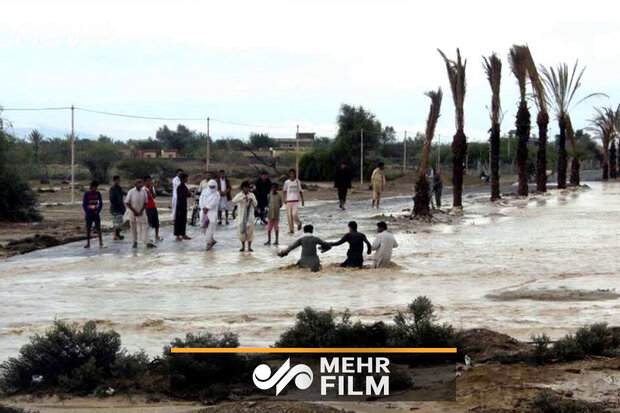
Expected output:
(130, 366)
(77, 359)
(542, 353)
(189, 371)
(547, 402)
(320, 329)
(594, 339)
(417, 328)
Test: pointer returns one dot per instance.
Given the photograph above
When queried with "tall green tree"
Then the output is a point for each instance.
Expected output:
(456, 77)
(518, 59)
(259, 141)
(493, 68)
(561, 85)
(36, 139)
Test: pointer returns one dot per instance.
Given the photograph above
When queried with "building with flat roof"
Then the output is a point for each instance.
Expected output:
(303, 140)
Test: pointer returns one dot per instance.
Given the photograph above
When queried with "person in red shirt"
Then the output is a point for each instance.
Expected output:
(151, 207)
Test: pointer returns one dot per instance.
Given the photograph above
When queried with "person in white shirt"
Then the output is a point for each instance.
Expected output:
(176, 181)
(225, 190)
(208, 204)
(293, 194)
(136, 203)
(383, 245)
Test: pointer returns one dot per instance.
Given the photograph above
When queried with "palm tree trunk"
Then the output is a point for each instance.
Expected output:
(541, 157)
(574, 171)
(459, 149)
(613, 171)
(562, 155)
(523, 133)
(495, 193)
(421, 199)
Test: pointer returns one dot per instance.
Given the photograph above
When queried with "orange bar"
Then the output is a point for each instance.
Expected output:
(220, 350)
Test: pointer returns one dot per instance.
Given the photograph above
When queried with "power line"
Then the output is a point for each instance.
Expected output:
(36, 109)
(125, 115)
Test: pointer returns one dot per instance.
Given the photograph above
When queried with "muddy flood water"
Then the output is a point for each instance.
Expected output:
(546, 264)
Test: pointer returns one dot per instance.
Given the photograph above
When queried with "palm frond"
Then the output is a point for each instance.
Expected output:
(561, 85)
(517, 58)
(456, 77)
(537, 84)
(493, 69)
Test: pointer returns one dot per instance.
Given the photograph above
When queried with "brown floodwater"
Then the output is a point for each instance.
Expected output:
(546, 264)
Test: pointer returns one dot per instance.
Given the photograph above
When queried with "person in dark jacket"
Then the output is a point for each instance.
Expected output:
(180, 217)
(308, 243)
(117, 206)
(92, 203)
(262, 188)
(356, 240)
(343, 183)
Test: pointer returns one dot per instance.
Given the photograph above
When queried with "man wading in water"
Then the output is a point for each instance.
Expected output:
(246, 201)
(308, 243)
(356, 240)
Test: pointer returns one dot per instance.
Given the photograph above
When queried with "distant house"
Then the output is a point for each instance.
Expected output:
(147, 153)
(304, 141)
(169, 153)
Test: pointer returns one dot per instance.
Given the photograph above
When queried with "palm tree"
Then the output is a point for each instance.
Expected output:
(518, 59)
(542, 120)
(36, 138)
(561, 85)
(421, 200)
(456, 76)
(603, 125)
(493, 68)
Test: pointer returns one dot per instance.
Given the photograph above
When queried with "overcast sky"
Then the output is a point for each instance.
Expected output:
(276, 64)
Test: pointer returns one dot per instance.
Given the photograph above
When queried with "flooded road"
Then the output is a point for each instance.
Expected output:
(546, 264)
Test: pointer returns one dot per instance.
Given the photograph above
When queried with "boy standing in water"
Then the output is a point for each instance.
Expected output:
(92, 203)
(273, 218)
(151, 207)
(292, 195)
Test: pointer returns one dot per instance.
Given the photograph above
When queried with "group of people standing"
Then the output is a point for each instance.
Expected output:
(139, 207)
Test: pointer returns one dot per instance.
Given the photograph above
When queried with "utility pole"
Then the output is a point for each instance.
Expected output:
(405, 153)
(72, 156)
(297, 152)
(208, 144)
(362, 157)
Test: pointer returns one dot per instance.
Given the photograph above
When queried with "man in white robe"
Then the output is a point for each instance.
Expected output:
(246, 203)
(208, 204)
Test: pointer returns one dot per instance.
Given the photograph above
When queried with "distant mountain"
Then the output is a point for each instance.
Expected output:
(50, 132)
